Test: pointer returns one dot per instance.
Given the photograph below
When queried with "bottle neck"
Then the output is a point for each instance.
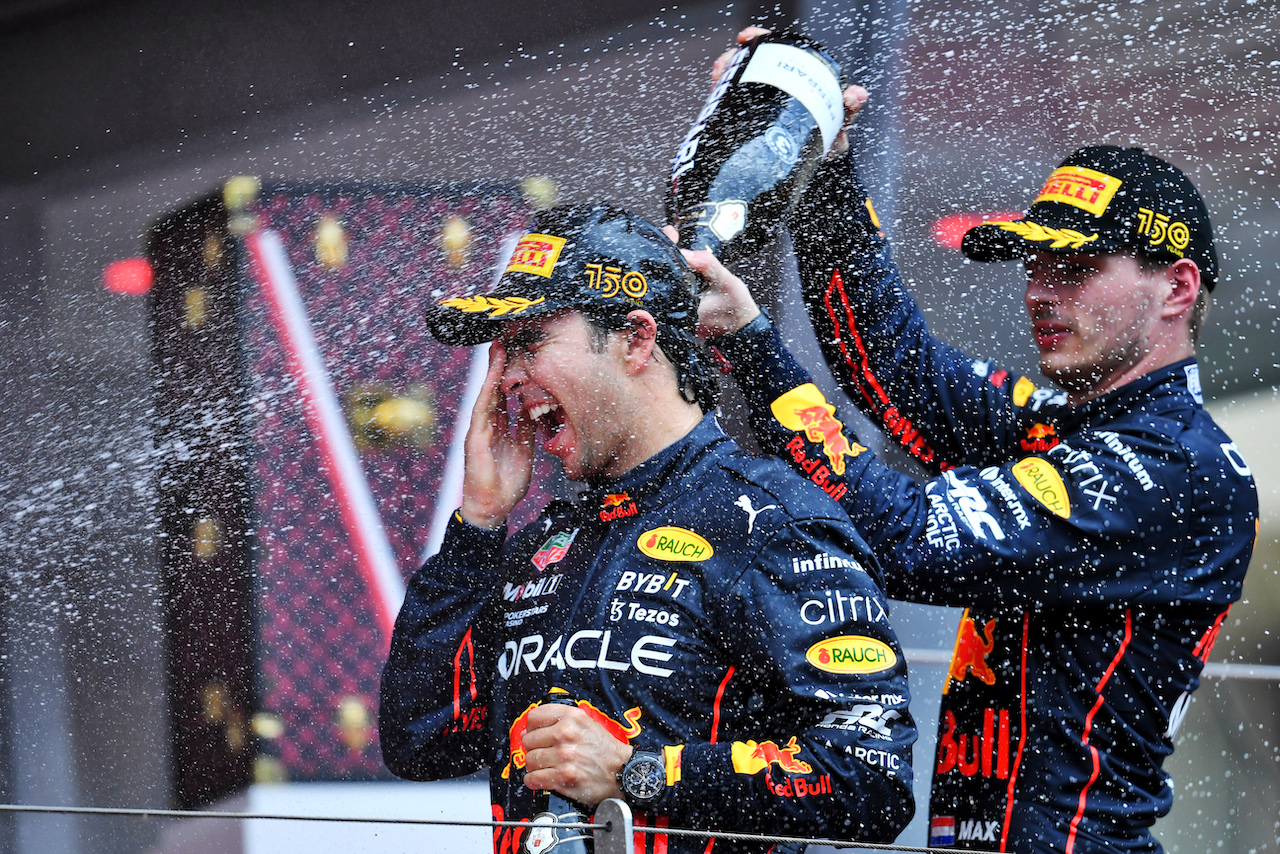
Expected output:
(697, 235)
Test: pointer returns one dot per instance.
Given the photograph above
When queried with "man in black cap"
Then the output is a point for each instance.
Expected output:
(715, 620)
(1096, 534)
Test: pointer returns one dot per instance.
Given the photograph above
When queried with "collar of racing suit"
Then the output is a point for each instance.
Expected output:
(1173, 388)
(665, 474)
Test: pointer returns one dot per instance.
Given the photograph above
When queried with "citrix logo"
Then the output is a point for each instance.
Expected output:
(837, 607)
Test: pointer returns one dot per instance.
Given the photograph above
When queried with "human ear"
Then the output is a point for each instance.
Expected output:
(641, 337)
(1184, 278)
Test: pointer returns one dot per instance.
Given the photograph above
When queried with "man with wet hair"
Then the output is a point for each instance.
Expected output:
(716, 620)
(1095, 534)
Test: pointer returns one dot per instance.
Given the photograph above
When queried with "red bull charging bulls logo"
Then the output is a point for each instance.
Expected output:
(752, 758)
(617, 506)
(972, 649)
(1040, 438)
(805, 410)
(622, 732)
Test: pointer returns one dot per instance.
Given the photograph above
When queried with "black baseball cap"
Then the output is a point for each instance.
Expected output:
(1107, 199)
(596, 259)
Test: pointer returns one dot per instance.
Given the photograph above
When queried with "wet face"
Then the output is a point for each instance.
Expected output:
(569, 386)
(1093, 316)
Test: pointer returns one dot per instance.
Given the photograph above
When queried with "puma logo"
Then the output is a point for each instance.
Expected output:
(745, 503)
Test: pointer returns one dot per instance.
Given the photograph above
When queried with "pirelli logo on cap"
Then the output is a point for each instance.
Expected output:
(1041, 479)
(1083, 188)
(536, 254)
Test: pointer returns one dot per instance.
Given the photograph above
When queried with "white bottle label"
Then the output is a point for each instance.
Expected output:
(805, 77)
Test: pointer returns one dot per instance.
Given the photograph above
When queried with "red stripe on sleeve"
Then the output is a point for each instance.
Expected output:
(1022, 732)
(463, 647)
(1088, 727)
(715, 712)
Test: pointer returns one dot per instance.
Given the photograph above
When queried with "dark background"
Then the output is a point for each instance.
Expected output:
(114, 113)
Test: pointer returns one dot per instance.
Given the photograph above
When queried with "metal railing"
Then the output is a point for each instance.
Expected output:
(612, 830)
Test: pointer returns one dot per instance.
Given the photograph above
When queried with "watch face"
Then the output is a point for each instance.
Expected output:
(644, 777)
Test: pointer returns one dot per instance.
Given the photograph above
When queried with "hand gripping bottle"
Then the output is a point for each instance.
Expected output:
(769, 120)
(552, 809)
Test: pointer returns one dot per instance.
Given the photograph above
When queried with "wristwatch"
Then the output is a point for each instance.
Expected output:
(643, 778)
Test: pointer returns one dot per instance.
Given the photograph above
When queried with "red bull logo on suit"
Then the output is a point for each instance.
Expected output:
(622, 732)
(806, 411)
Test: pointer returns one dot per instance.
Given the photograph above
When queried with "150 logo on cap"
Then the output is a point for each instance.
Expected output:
(609, 280)
(536, 254)
(1164, 232)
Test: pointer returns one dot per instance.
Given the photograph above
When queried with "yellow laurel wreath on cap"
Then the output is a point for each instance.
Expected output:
(1062, 237)
(496, 306)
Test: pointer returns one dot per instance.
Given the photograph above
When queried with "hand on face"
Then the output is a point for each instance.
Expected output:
(855, 97)
(567, 751)
(498, 465)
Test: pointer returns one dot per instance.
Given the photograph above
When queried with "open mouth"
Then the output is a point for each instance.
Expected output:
(548, 416)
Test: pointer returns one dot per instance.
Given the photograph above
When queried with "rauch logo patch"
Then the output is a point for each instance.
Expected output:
(851, 654)
(1042, 480)
(672, 543)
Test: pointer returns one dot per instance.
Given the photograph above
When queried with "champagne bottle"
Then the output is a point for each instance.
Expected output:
(552, 810)
(767, 123)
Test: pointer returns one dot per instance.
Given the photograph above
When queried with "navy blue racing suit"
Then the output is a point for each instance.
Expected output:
(709, 606)
(1096, 549)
